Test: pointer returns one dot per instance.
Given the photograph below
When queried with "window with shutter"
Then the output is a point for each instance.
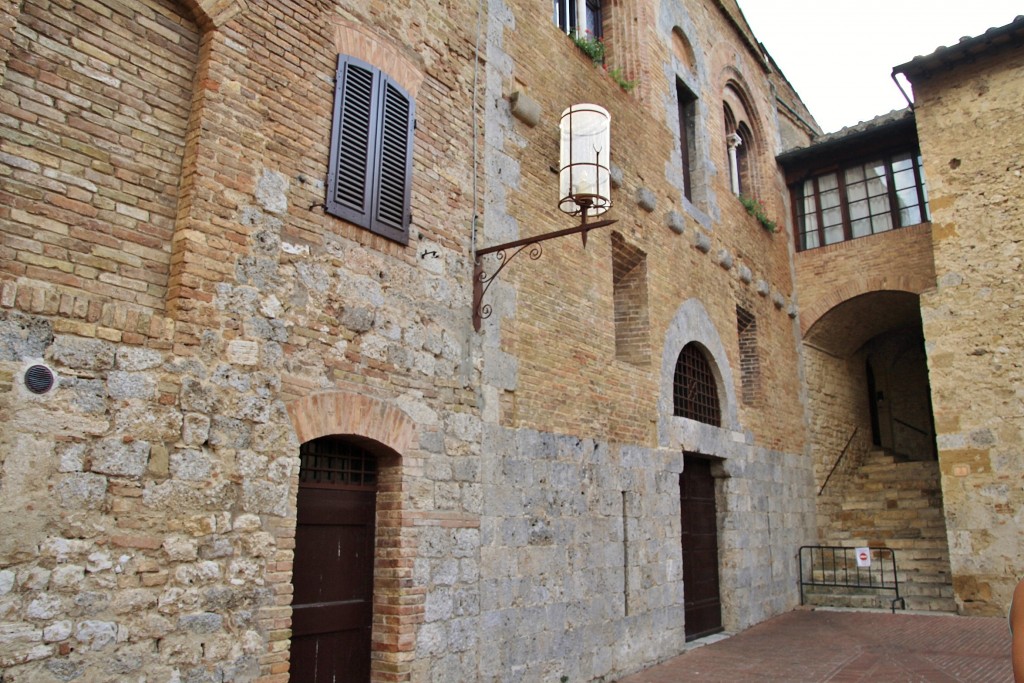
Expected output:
(369, 182)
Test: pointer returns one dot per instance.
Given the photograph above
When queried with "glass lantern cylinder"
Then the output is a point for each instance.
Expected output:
(583, 177)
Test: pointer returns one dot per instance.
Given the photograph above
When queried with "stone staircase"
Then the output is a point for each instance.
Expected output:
(895, 502)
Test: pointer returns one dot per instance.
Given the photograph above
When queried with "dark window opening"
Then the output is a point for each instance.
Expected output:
(370, 175)
(687, 103)
(695, 393)
(594, 22)
(567, 15)
(750, 363)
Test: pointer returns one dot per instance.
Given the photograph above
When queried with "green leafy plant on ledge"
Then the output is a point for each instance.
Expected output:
(755, 209)
(624, 83)
(591, 46)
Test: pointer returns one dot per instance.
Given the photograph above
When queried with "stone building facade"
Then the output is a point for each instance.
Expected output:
(968, 108)
(913, 419)
(222, 343)
(216, 334)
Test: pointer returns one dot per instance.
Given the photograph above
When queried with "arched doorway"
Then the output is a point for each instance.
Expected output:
(695, 397)
(873, 439)
(332, 575)
(702, 602)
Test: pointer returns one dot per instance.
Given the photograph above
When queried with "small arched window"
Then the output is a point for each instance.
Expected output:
(740, 145)
(694, 391)
(738, 140)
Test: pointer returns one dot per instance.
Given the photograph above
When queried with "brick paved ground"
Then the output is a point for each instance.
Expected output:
(806, 646)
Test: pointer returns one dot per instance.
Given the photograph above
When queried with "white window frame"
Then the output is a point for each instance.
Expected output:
(563, 7)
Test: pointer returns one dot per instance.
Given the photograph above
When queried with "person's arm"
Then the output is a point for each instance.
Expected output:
(1017, 626)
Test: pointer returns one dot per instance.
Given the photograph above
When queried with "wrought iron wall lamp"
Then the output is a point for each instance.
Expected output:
(584, 190)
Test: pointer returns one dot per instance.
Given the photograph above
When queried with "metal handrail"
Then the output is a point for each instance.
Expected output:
(910, 426)
(822, 563)
(838, 460)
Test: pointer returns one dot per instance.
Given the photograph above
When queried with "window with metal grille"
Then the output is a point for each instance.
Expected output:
(695, 394)
(369, 181)
(335, 462)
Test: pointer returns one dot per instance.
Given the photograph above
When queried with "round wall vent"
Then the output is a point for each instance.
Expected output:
(39, 379)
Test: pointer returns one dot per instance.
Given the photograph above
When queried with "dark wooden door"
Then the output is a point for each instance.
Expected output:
(702, 601)
(332, 575)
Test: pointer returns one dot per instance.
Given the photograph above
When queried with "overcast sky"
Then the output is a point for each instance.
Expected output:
(839, 54)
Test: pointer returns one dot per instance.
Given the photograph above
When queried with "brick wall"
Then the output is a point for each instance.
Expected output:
(565, 301)
(96, 106)
(900, 260)
(632, 320)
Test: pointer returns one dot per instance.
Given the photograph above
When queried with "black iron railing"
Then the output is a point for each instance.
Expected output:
(838, 460)
(838, 567)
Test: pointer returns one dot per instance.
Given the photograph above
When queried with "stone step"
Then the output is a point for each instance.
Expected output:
(929, 601)
(897, 503)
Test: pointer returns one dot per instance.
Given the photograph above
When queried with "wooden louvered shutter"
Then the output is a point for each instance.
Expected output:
(394, 170)
(352, 141)
(369, 180)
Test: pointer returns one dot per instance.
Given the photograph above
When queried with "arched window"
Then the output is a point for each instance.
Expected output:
(738, 140)
(694, 392)
(741, 146)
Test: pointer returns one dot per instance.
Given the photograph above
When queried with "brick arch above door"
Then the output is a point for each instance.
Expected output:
(388, 433)
(342, 412)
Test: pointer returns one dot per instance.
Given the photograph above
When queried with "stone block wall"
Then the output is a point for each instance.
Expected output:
(971, 127)
(149, 498)
(529, 477)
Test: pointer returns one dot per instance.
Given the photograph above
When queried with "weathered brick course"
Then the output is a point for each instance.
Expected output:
(165, 250)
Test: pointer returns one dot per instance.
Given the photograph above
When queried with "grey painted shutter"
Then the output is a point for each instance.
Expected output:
(352, 140)
(369, 180)
(394, 179)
